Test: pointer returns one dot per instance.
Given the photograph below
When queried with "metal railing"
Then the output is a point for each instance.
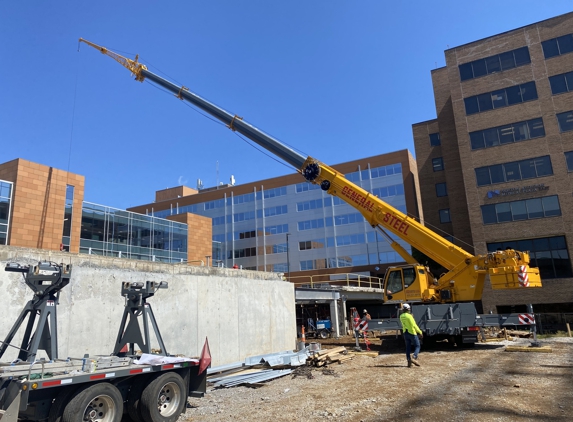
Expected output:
(325, 281)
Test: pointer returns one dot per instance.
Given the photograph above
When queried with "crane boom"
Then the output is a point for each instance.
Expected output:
(507, 269)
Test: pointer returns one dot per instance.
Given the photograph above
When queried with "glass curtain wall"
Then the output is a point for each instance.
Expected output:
(112, 232)
(5, 207)
(258, 230)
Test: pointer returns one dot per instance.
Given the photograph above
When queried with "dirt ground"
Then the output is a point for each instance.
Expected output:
(485, 383)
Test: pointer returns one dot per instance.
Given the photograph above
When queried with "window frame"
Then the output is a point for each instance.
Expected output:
(438, 164)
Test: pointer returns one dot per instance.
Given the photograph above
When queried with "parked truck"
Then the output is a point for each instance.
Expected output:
(442, 305)
(146, 387)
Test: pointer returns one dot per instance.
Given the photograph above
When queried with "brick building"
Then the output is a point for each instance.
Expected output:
(43, 207)
(496, 165)
(36, 206)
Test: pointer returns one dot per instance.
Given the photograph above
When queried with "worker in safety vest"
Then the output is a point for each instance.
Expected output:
(412, 334)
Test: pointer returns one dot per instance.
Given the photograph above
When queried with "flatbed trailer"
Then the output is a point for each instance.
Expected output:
(143, 387)
(457, 322)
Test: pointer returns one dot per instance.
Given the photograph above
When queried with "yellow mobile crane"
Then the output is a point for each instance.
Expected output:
(465, 277)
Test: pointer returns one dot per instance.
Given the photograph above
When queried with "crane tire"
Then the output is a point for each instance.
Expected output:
(163, 399)
(102, 399)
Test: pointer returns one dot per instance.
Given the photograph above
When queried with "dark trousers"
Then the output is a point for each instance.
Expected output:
(412, 340)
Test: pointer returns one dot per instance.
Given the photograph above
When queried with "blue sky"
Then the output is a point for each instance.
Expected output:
(337, 80)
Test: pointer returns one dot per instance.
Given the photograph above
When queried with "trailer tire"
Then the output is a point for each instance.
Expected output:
(102, 399)
(163, 399)
(323, 334)
(60, 402)
(134, 399)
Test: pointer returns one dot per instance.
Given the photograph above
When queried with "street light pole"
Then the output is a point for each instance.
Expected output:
(288, 258)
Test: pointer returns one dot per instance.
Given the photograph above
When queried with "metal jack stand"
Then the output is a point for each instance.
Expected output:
(136, 305)
(46, 280)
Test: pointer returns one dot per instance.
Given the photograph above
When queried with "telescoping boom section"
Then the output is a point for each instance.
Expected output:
(466, 273)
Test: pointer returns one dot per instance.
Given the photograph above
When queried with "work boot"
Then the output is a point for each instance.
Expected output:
(415, 361)
(409, 364)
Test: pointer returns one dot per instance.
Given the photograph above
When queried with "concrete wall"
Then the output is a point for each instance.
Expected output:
(243, 313)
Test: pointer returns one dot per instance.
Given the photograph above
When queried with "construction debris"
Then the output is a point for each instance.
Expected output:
(255, 370)
(328, 356)
(303, 371)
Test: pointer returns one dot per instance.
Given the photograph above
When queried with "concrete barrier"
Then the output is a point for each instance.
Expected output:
(242, 313)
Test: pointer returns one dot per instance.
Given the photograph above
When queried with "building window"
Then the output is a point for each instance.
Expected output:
(569, 160)
(494, 64)
(561, 83)
(347, 240)
(305, 187)
(435, 139)
(5, 206)
(342, 220)
(558, 46)
(507, 134)
(385, 170)
(273, 193)
(516, 170)
(549, 254)
(438, 164)
(309, 205)
(441, 189)
(310, 224)
(445, 216)
(68, 213)
(311, 244)
(565, 121)
(388, 191)
(501, 98)
(316, 264)
(242, 253)
(280, 268)
(527, 209)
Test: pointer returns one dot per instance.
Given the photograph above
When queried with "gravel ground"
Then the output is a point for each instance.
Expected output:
(485, 383)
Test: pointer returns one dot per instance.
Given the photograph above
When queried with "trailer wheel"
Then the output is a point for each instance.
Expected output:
(134, 399)
(60, 402)
(323, 334)
(164, 398)
(95, 403)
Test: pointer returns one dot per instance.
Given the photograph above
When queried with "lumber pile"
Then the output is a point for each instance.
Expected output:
(515, 333)
(328, 356)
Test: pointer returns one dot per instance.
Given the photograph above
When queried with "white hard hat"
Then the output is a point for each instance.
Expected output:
(365, 311)
(406, 306)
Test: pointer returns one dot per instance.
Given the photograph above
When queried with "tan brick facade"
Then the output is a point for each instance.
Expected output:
(465, 198)
(38, 204)
(199, 231)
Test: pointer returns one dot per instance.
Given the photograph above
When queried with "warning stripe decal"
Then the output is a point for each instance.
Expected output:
(527, 319)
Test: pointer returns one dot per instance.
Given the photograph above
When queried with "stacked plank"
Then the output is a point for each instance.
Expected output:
(328, 356)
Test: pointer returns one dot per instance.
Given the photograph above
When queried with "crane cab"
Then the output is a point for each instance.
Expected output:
(407, 283)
